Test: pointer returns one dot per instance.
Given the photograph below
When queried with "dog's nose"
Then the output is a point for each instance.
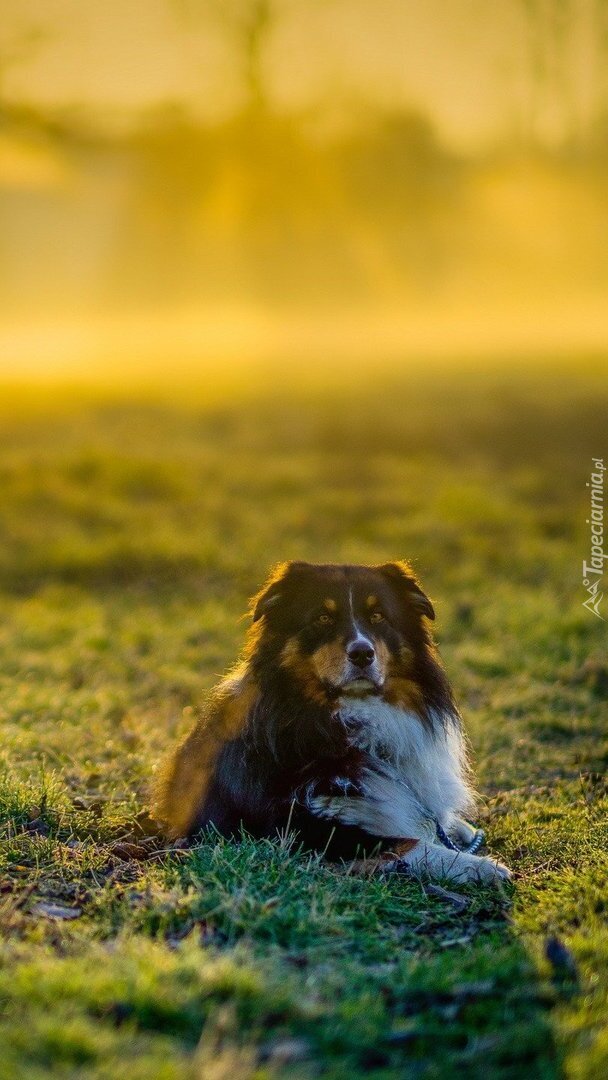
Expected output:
(360, 653)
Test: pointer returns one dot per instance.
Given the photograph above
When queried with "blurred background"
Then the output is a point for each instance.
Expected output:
(189, 185)
(296, 279)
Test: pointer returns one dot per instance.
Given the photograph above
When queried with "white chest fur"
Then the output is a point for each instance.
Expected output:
(432, 763)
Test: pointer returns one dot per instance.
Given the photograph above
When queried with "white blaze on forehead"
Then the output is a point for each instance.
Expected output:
(359, 640)
(359, 637)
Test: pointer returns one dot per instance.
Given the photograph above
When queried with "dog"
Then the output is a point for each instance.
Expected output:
(340, 725)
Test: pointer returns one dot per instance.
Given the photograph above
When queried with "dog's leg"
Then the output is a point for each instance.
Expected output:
(387, 808)
(383, 807)
(433, 861)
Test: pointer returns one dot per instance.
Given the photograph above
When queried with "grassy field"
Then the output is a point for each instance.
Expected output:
(132, 535)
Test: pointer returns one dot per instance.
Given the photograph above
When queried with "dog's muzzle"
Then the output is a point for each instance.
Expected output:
(362, 675)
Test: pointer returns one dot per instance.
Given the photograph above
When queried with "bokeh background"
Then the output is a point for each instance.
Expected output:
(310, 279)
(196, 184)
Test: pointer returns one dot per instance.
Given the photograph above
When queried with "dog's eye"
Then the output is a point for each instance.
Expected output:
(376, 617)
(324, 619)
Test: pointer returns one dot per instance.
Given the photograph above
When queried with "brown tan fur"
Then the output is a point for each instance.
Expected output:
(182, 782)
(328, 662)
(304, 671)
(404, 694)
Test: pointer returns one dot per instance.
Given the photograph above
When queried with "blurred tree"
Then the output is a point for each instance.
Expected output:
(248, 24)
(405, 186)
(14, 50)
(170, 162)
(599, 132)
(555, 30)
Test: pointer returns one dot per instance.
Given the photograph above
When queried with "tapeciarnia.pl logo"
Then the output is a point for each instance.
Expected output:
(593, 571)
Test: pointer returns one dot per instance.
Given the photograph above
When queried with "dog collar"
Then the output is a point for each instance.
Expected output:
(470, 849)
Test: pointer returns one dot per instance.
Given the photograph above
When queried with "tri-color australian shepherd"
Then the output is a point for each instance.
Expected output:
(339, 725)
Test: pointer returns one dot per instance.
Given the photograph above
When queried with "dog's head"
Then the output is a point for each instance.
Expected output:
(344, 630)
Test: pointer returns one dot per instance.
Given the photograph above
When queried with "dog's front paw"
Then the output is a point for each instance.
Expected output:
(433, 861)
(488, 870)
(480, 869)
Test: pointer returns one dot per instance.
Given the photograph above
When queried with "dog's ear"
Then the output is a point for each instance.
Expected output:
(271, 592)
(401, 574)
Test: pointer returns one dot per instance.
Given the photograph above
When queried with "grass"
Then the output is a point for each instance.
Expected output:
(132, 534)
